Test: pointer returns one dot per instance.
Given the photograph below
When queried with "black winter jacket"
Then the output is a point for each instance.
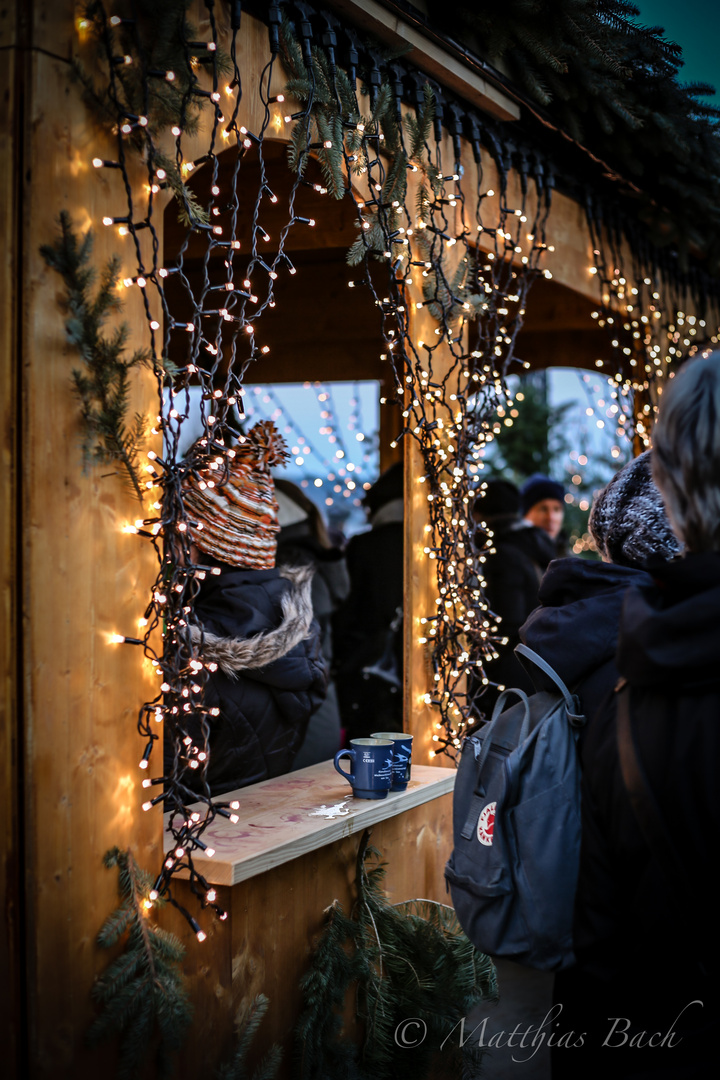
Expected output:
(512, 575)
(258, 627)
(669, 652)
(577, 624)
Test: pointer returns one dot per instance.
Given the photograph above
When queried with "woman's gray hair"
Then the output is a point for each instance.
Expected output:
(686, 452)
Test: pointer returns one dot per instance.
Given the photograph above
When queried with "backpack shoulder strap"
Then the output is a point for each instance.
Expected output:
(524, 654)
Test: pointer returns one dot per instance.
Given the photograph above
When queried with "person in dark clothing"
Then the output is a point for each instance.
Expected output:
(254, 624)
(516, 557)
(646, 930)
(575, 628)
(304, 541)
(368, 627)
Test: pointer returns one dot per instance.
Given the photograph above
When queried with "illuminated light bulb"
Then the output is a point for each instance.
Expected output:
(327, 144)
(235, 805)
(126, 128)
(177, 132)
(107, 220)
(141, 282)
(201, 935)
(154, 324)
(215, 189)
(210, 852)
(142, 120)
(146, 805)
(217, 229)
(143, 764)
(116, 639)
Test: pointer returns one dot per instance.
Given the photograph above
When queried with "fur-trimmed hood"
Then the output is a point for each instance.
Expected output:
(258, 627)
(233, 654)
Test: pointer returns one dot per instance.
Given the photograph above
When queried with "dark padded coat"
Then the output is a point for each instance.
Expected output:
(577, 624)
(330, 588)
(362, 634)
(642, 939)
(513, 574)
(258, 627)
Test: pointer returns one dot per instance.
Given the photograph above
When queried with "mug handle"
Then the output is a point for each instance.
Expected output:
(345, 753)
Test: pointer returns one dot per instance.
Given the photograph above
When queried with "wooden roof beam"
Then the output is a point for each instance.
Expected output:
(438, 63)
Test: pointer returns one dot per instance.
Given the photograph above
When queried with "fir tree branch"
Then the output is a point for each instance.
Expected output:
(141, 994)
(403, 960)
(102, 385)
(246, 1027)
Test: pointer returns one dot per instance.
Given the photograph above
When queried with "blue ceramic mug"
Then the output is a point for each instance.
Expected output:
(372, 767)
(402, 753)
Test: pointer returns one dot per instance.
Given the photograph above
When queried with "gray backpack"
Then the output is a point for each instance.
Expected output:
(516, 827)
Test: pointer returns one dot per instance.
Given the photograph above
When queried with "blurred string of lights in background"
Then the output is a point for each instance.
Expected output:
(341, 462)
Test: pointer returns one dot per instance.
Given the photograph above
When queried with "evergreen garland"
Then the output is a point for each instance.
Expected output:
(246, 1028)
(141, 993)
(405, 961)
(340, 132)
(176, 98)
(103, 383)
(613, 85)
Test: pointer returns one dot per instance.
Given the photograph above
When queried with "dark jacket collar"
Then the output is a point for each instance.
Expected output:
(670, 629)
(576, 627)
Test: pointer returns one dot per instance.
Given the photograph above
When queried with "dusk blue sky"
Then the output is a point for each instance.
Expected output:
(695, 26)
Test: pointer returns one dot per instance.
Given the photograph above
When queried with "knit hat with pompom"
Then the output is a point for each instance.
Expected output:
(628, 520)
(232, 510)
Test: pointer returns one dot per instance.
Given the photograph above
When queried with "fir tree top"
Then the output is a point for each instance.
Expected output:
(614, 86)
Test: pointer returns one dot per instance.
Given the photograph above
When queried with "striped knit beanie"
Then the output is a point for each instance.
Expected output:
(234, 515)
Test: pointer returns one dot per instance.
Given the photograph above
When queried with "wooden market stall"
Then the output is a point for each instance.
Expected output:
(72, 577)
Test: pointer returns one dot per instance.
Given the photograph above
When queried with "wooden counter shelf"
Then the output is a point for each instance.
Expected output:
(300, 812)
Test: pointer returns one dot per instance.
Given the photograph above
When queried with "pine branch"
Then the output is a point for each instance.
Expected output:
(102, 386)
(246, 1026)
(410, 960)
(141, 994)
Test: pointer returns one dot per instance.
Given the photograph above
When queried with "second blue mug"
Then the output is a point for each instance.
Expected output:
(402, 753)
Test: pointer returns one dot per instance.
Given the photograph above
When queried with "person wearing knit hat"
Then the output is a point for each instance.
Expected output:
(628, 521)
(252, 621)
(234, 516)
(542, 502)
(576, 629)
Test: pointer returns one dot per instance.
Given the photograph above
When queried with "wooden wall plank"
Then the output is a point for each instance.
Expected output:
(83, 578)
(11, 961)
